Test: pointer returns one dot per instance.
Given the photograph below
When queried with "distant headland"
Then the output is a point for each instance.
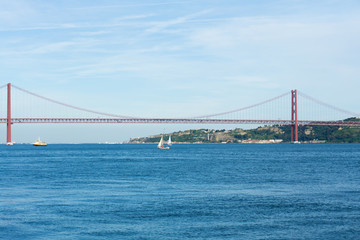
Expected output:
(265, 134)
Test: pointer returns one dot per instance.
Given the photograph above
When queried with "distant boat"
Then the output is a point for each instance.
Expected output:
(169, 141)
(161, 144)
(39, 143)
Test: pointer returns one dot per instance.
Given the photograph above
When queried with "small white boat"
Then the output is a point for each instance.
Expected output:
(39, 143)
(161, 144)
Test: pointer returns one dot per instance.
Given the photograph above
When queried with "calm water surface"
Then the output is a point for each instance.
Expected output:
(282, 191)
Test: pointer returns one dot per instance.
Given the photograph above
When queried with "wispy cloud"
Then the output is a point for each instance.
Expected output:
(263, 38)
(161, 25)
(54, 47)
(116, 22)
(249, 81)
(224, 52)
(132, 5)
(94, 33)
(13, 12)
(238, 31)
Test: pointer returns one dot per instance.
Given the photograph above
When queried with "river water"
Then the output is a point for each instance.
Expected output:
(199, 191)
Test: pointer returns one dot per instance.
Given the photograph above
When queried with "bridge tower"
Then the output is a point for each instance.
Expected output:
(8, 134)
(294, 116)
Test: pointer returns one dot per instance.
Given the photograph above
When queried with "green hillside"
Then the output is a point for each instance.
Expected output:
(331, 134)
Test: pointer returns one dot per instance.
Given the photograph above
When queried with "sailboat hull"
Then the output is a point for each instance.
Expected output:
(163, 147)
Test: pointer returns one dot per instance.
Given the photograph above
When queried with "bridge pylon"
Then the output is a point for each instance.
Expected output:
(8, 129)
(294, 117)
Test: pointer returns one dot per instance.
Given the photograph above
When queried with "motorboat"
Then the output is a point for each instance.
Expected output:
(38, 142)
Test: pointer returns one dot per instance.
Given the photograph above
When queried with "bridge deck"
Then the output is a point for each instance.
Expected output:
(177, 121)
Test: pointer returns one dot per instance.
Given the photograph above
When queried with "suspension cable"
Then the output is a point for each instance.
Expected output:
(244, 108)
(71, 106)
(328, 105)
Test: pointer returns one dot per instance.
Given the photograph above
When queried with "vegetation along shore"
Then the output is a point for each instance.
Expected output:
(265, 134)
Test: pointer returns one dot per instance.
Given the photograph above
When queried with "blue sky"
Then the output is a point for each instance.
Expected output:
(177, 58)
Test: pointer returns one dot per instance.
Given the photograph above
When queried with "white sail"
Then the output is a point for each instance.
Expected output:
(161, 143)
(169, 142)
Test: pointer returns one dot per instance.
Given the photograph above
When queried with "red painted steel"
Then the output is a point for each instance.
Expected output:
(179, 121)
(294, 122)
(8, 133)
(294, 116)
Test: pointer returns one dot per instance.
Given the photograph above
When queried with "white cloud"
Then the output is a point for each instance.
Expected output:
(259, 30)
(252, 81)
(53, 47)
(159, 26)
(218, 55)
(97, 7)
(15, 12)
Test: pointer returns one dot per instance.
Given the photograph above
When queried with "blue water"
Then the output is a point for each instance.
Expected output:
(280, 191)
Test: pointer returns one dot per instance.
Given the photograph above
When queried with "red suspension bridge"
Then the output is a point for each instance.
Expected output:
(285, 113)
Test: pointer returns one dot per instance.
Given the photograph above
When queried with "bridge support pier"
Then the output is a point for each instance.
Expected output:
(294, 117)
(8, 134)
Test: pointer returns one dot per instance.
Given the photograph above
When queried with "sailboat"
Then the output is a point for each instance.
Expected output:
(161, 144)
(169, 141)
